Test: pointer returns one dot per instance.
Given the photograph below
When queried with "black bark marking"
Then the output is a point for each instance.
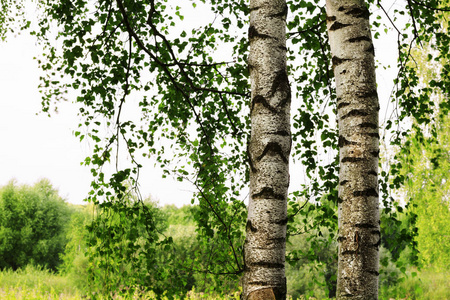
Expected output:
(372, 134)
(375, 273)
(282, 221)
(341, 239)
(340, 200)
(283, 48)
(258, 99)
(271, 149)
(343, 182)
(342, 104)
(342, 8)
(352, 159)
(359, 39)
(253, 33)
(355, 113)
(377, 244)
(250, 160)
(349, 252)
(250, 226)
(344, 142)
(331, 18)
(358, 12)
(278, 240)
(365, 225)
(263, 283)
(371, 50)
(281, 83)
(268, 193)
(337, 25)
(368, 125)
(281, 132)
(375, 153)
(372, 172)
(344, 72)
(337, 61)
(366, 193)
(368, 94)
(282, 13)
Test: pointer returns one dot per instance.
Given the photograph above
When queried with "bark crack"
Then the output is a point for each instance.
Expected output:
(268, 193)
(337, 61)
(366, 193)
(265, 264)
(282, 221)
(342, 104)
(261, 100)
(358, 12)
(371, 49)
(343, 182)
(273, 148)
(282, 13)
(344, 142)
(375, 153)
(373, 272)
(368, 125)
(253, 33)
(360, 39)
(372, 172)
(352, 159)
(356, 113)
(250, 226)
(372, 134)
(281, 82)
(281, 132)
(337, 25)
(368, 94)
(365, 225)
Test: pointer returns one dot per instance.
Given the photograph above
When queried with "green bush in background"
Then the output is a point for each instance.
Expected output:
(32, 225)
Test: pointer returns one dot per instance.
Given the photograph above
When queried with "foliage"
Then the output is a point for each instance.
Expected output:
(124, 257)
(427, 168)
(32, 225)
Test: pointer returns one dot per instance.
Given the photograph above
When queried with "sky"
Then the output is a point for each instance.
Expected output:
(36, 146)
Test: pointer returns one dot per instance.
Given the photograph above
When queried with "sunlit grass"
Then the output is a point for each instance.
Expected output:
(35, 283)
(427, 285)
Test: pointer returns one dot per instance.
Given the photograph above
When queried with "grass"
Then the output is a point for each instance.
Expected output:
(34, 283)
(427, 285)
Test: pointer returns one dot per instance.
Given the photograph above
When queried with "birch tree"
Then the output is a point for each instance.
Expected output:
(269, 149)
(352, 54)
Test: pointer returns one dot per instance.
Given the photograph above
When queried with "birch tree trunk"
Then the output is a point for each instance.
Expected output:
(269, 150)
(357, 105)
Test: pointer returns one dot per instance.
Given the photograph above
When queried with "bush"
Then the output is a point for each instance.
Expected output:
(32, 225)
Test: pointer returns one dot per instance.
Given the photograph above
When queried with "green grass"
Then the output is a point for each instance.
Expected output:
(427, 285)
(35, 283)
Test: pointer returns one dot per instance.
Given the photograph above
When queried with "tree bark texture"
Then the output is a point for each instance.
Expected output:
(357, 108)
(269, 150)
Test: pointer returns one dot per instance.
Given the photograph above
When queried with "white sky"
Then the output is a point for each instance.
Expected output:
(36, 146)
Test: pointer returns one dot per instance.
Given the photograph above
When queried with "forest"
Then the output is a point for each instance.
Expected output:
(238, 103)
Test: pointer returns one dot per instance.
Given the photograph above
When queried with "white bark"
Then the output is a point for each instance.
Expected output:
(357, 103)
(269, 151)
